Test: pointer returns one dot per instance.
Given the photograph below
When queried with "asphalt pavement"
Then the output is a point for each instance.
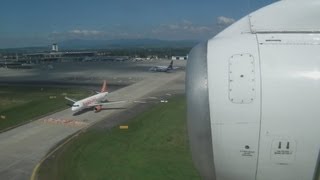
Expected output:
(23, 147)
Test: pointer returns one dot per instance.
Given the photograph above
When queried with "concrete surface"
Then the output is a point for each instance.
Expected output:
(23, 147)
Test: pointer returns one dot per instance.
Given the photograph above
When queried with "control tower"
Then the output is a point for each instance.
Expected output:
(54, 47)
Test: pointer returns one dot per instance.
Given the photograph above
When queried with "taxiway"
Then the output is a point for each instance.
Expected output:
(23, 147)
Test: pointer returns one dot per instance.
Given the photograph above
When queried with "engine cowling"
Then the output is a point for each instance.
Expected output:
(253, 96)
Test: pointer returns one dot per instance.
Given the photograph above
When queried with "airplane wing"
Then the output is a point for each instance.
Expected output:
(72, 100)
(107, 103)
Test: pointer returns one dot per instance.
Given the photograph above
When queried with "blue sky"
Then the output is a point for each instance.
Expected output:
(41, 22)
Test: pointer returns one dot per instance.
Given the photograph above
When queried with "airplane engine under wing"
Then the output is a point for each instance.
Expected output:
(253, 96)
(97, 108)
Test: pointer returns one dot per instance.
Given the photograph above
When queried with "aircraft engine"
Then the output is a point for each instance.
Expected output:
(253, 96)
(97, 108)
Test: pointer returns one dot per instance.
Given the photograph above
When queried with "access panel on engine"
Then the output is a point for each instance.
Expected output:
(241, 78)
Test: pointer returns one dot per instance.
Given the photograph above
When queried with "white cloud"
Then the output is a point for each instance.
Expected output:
(187, 22)
(86, 32)
(225, 21)
(185, 29)
(91, 34)
(77, 34)
(182, 28)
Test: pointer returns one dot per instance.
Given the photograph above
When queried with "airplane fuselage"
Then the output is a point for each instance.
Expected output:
(89, 101)
(159, 69)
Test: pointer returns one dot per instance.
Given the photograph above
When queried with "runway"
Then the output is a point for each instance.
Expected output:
(23, 147)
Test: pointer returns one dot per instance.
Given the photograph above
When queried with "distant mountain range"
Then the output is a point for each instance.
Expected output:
(81, 44)
(125, 43)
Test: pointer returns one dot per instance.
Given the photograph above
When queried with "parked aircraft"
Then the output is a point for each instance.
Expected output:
(163, 68)
(96, 101)
(253, 96)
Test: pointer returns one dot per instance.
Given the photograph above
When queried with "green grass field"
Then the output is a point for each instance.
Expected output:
(154, 147)
(21, 104)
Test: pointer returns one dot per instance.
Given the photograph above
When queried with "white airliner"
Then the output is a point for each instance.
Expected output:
(96, 101)
(163, 68)
(253, 96)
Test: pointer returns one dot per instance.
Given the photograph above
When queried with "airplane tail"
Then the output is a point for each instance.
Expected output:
(104, 87)
(170, 66)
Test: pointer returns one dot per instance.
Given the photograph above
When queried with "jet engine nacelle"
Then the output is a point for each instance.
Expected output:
(97, 108)
(253, 96)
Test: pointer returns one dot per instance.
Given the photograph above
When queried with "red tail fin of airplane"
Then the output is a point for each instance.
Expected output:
(104, 86)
